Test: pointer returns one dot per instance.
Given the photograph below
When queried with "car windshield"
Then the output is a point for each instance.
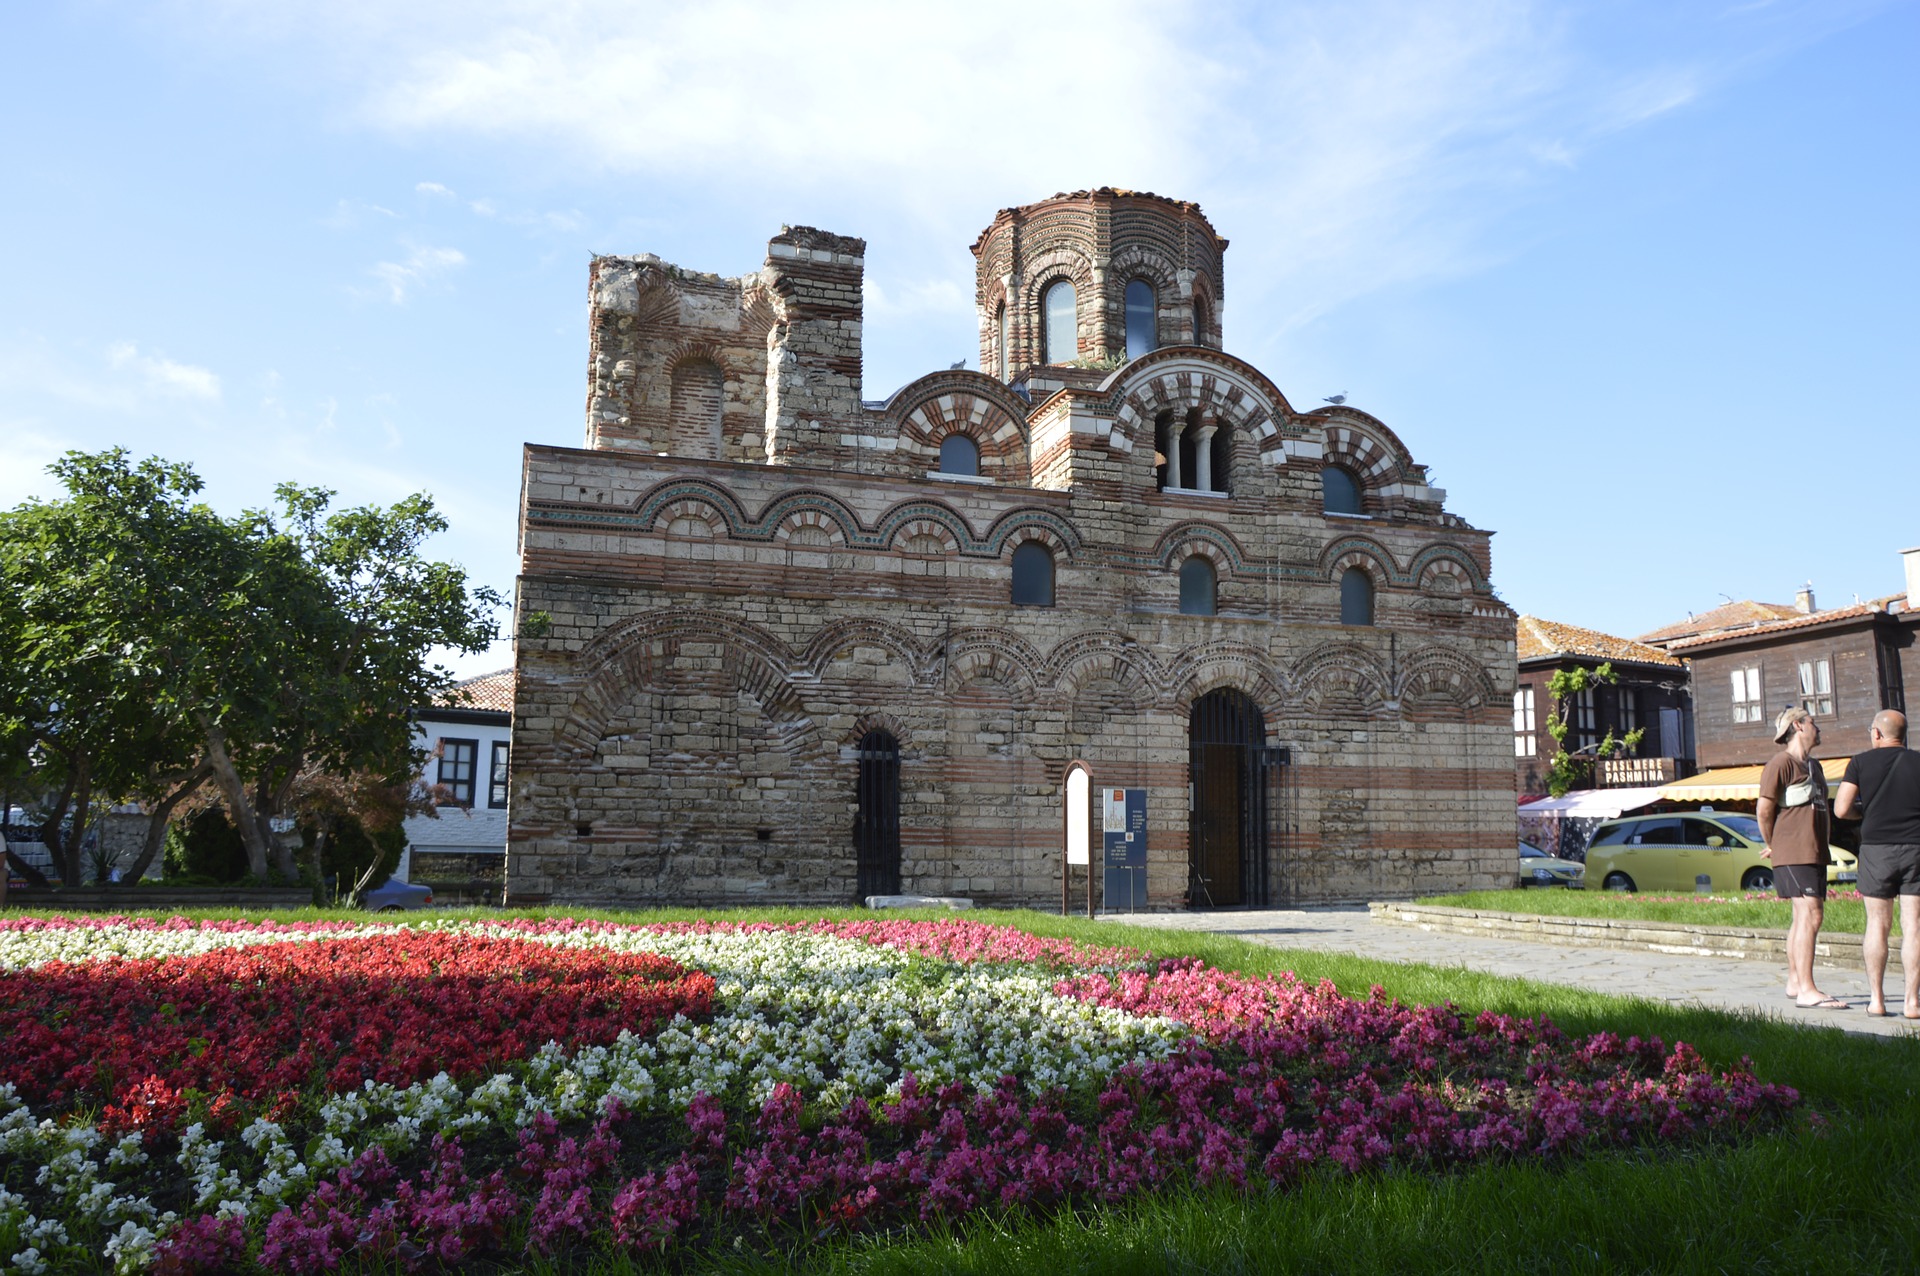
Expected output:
(1745, 825)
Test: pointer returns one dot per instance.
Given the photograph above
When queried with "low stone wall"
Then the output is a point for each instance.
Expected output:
(126, 899)
(1678, 938)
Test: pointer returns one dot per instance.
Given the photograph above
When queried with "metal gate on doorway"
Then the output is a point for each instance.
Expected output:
(1237, 810)
(876, 824)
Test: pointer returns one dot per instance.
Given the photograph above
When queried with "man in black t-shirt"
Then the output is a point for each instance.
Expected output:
(1885, 780)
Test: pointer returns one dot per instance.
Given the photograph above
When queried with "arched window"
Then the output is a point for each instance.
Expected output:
(1063, 330)
(959, 455)
(694, 409)
(1032, 575)
(1339, 491)
(1142, 319)
(1356, 597)
(1200, 324)
(1197, 586)
(1003, 360)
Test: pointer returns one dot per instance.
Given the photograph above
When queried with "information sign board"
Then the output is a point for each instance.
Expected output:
(1123, 830)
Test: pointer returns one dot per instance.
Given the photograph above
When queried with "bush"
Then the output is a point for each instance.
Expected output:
(350, 848)
(206, 847)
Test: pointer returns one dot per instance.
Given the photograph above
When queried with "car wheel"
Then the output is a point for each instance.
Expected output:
(1757, 879)
(1618, 882)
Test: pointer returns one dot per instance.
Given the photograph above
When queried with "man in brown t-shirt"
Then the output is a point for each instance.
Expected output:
(1793, 820)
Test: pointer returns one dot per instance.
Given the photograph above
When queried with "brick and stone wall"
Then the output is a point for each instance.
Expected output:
(722, 628)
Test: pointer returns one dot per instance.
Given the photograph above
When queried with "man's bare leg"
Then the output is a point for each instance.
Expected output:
(1873, 948)
(1808, 913)
(1910, 951)
(1793, 951)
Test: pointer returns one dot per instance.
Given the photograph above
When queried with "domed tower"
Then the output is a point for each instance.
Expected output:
(1094, 278)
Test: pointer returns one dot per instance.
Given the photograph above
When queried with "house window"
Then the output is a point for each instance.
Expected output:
(497, 777)
(959, 455)
(1586, 718)
(1356, 597)
(457, 759)
(1199, 320)
(1628, 701)
(1526, 742)
(1339, 491)
(1746, 694)
(1000, 326)
(1816, 686)
(1142, 316)
(1032, 575)
(1062, 330)
(1197, 587)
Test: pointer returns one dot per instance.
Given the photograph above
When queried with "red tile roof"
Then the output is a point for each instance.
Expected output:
(1535, 638)
(1738, 615)
(488, 691)
(1798, 620)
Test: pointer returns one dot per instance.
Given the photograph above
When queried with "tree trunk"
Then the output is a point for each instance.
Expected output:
(161, 816)
(33, 875)
(70, 865)
(319, 864)
(253, 833)
(55, 817)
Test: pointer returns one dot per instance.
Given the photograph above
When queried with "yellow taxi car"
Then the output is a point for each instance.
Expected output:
(1668, 852)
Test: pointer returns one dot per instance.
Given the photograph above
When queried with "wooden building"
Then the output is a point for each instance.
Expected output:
(1650, 695)
(1842, 664)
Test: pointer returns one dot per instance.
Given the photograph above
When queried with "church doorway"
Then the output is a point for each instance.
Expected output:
(1232, 773)
(876, 825)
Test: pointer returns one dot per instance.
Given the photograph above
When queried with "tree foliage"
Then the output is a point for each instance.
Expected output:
(1566, 769)
(153, 645)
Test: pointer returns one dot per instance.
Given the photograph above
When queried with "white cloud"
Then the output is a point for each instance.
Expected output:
(423, 265)
(348, 213)
(1369, 142)
(433, 188)
(161, 375)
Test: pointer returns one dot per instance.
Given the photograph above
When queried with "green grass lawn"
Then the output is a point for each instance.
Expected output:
(1848, 916)
(1836, 1195)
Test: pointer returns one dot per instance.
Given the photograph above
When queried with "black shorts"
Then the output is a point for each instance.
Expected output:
(1889, 868)
(1800, 881)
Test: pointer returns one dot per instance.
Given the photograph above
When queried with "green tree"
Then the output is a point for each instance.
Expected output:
(1566, 769)
(348, 660)
(107, 590)
(154, 645)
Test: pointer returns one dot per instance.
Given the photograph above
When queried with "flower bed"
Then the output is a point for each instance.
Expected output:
(301, 1097)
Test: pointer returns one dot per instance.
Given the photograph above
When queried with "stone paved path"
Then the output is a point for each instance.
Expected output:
(1706, 981)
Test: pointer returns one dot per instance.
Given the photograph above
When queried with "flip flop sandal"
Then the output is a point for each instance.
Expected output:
(1830, 1003)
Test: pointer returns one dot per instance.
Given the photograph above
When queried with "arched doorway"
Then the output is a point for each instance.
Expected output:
(1228, 764)
(876, 825)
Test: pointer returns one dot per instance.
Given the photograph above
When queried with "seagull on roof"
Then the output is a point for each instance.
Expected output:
(1335, 399)
(951, 367)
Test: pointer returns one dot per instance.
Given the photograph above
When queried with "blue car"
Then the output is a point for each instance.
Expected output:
(393, 895)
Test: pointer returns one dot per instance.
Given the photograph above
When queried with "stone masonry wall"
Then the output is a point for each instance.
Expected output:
(720, 632)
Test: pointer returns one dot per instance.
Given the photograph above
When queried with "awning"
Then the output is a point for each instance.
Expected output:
(1599, 804)
(1736, 783)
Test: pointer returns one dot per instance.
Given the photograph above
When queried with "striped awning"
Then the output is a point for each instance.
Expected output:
(1736, 783)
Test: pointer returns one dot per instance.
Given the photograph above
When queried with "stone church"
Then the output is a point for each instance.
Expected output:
(779, 643)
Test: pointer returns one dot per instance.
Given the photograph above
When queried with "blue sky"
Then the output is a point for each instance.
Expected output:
(1637, 281)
